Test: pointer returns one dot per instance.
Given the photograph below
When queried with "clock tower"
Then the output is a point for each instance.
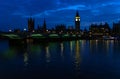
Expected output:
(77, 22)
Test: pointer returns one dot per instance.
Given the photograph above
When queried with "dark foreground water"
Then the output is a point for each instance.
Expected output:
(79, 59)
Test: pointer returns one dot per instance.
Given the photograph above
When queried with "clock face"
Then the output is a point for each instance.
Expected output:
(77, 19)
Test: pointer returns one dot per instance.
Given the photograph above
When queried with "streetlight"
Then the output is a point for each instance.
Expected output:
(10, 30)
(25, 29)
(33, 31)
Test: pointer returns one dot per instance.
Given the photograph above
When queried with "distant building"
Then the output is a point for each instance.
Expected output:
(31, 23)
(60, 28)
(77, 22)
(17, 30)
(100, 30)
(116, 28)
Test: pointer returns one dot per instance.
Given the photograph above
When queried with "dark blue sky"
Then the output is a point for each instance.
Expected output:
(14, 13)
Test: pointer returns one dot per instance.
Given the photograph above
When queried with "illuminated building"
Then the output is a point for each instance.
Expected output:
(30, 24)
(99, 30)
(116, 28)
(77, 22)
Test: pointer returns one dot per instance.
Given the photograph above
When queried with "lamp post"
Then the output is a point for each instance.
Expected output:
(10, 30)
(25, 29)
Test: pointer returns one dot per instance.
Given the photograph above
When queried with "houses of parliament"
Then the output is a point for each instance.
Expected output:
(62, 27)
(95, 30)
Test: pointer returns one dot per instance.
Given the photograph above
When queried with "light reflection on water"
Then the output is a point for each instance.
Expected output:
(47, 54)
(71, 59)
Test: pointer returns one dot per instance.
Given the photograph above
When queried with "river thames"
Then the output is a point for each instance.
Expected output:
(80, 59)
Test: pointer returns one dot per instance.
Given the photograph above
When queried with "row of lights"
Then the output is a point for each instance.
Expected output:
(23, 29)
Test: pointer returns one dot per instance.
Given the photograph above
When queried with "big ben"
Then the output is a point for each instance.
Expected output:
(77, 22)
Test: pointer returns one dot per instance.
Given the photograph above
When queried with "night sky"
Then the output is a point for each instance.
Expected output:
(14, 13)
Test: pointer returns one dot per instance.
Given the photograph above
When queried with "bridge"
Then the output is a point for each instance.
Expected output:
(37, 35)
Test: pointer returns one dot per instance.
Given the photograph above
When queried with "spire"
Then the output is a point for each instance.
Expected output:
(44, 24)
(30, 24)
(77, 13)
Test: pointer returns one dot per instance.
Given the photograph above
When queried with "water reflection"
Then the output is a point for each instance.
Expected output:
(47, 54)
(77, 55)
(28, 48)
(94, 57)
(26, 59)
(71, 46)
(93, 46)
(62, 49)
(106, 47)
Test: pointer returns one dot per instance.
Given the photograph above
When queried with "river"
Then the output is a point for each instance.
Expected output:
(80, 59)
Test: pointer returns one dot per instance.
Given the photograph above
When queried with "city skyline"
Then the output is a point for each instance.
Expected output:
(14, 13)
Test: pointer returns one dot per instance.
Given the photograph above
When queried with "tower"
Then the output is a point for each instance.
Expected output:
(30, 25)
(44, 26)
(77, 22)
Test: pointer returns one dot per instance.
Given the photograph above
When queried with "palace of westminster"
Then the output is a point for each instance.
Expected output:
(95, 30)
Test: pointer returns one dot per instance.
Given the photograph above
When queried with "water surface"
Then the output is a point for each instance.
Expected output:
(80, 59)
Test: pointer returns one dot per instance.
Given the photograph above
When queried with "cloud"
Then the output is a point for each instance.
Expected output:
(60, 10)
(74, 7)
(42, 8)
(110, 3)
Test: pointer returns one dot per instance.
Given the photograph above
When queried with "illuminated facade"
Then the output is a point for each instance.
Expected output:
(31, 25)
(77, 22)
(116, 28)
